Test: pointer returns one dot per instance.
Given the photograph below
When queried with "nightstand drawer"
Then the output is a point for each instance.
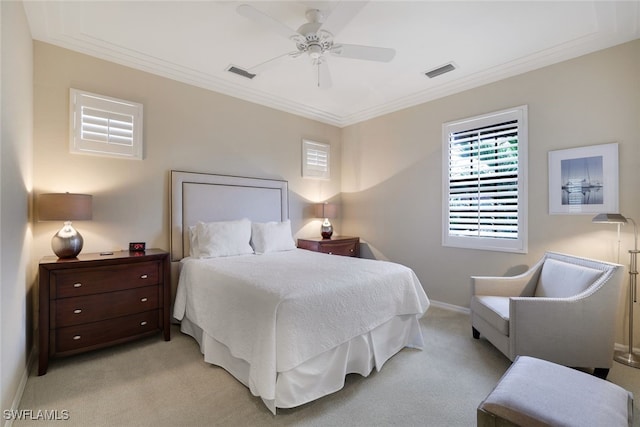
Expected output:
(105, 332)
(346, 249)
(86, 281)
(92, 308)
(338, 245)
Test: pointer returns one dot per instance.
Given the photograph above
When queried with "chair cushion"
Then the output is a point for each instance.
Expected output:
(560, 279)
(536, 392)
(494, 310)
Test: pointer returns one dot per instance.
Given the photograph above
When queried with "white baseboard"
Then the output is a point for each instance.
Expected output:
(23, 383)
(625, 348)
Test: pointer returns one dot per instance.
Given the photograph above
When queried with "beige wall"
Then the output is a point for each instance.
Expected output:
(392, 169)
(388, 169)
(16, 276)
(185, 128)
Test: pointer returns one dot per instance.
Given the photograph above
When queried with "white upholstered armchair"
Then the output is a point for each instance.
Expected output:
(562, 310)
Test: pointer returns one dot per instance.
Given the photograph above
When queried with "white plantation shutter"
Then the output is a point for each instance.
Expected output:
(101, 125)
(315, 160)
(485, 182)
(104, 126)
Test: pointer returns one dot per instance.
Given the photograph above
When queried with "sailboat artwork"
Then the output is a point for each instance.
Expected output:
(582, 181)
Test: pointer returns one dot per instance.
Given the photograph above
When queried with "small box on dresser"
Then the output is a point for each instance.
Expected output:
(98, 300)
(337, 245)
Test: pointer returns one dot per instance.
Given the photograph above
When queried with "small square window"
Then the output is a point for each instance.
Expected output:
(315, 160)
(104, 126)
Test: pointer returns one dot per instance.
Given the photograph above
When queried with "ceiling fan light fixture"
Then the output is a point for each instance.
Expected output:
(315, 51)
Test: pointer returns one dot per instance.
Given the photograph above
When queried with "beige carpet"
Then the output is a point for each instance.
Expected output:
(157, 383)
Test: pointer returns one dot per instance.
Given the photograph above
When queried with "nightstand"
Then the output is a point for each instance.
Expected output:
(95, 301)
(337, 245)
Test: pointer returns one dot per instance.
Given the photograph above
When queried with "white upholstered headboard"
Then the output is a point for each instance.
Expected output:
(208, 197)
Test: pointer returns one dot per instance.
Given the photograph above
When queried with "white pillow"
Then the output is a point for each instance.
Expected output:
(193, 242)
(223, 238)
(272, 237)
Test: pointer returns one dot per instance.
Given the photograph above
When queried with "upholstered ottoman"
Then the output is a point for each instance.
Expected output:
(535, 392)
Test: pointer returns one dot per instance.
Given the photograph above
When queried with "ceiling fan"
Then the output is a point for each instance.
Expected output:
(316, 38)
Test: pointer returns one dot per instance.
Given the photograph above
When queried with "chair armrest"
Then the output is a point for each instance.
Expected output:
(549, 328)
(512, 286)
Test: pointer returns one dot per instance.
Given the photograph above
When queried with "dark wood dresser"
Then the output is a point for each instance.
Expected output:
(96, 301)
(337, 245)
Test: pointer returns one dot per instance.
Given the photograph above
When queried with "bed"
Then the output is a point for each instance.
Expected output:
(288, 323)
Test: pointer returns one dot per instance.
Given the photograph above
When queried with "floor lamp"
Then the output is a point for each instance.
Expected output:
(626, 357)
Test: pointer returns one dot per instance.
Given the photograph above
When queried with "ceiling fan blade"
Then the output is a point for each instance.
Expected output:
(341, 15)
(257, 69)
(369, 53)
(266, 21)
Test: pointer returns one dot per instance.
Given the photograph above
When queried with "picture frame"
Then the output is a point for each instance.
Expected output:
(584, 180)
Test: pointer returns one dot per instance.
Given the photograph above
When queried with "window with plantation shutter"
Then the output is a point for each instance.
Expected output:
(106, 126)
(315, 159)
(485, 199)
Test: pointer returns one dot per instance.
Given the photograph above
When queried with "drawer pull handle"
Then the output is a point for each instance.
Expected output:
(143, 323)
(144, 276)
(77, 337)
(77, 311)
(77, 285)
(143, 299)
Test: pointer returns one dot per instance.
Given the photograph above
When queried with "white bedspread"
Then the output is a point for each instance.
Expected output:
(280, 309)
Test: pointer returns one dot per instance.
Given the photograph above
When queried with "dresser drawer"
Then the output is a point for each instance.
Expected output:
(105, 332)
(86, 281)
(346, 249)
(92, 308)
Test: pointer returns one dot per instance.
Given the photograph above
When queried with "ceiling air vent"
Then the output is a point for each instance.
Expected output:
(440, 70)
(239, 71)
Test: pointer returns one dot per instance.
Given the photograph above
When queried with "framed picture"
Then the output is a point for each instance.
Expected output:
(584, 180)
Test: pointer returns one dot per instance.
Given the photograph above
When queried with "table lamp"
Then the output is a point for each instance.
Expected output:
(629, 357)
(326, 210)
(66, 243)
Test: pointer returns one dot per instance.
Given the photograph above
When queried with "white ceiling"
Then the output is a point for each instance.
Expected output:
(195, 42)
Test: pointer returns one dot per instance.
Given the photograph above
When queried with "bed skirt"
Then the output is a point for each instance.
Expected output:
(323, 374)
